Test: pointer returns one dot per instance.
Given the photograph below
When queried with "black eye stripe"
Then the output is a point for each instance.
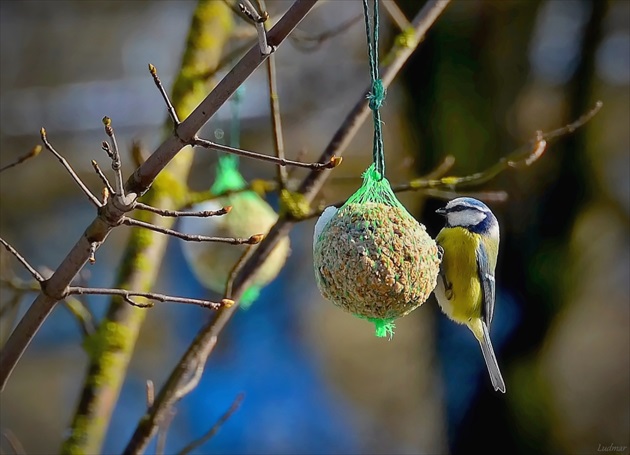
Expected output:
(461, 208)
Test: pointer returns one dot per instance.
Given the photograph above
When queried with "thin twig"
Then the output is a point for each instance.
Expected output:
(190, 384)
(14, 442)
(276, 119)
(306, 42)
(515, 159)
(253, 240)
(31, 154)
(333, 162)
(126, 295)
(82, 314)
(119, 185)
(92, 256)
(104, 179)
(176, 213)
(169, 106)
(227, 60)
(34, 273)
(160, 444)
(235, 270)
(215, 428)
(150, 393)
(571, 127)
(68, 168)
(397, 15)
(259, 21)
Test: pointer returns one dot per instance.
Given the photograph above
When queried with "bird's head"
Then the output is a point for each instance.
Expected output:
(470, 214)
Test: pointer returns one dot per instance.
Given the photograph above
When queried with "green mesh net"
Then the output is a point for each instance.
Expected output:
(250, 213)
(372, 258)
(375, 188)
(228, 178)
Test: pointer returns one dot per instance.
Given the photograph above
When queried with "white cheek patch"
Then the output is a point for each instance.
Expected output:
(466, 218)
(322, 221)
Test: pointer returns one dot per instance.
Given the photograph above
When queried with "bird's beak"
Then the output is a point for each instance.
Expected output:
(441, 211)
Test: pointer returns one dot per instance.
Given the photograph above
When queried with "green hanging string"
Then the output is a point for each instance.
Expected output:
(235, 125)
(228, 175)
(377, 93)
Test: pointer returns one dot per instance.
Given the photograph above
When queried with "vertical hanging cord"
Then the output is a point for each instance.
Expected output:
(235, 125)
(377, 94)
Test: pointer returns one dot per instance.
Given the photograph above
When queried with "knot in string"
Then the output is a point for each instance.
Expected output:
(377, 95)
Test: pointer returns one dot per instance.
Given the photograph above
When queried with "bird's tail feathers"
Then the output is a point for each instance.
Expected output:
(491, 360)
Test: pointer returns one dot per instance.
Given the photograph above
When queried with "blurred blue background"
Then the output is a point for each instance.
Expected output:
(315, 379)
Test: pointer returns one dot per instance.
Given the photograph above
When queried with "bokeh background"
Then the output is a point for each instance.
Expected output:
(488, 76)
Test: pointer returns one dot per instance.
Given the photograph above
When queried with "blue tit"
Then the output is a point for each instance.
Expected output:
(465, 288)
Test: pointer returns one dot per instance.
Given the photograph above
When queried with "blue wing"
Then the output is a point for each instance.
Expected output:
(486, 277)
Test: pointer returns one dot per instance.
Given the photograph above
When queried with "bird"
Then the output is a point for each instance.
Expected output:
(465, 290)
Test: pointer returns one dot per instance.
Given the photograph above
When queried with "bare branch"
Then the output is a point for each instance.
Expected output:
(14, 442)
(215, 428)
(169, 106)
(259, 21)
(150, 393)
(160, 444)
(397, 15)
(34, 273)
(31, 154)
(571, 127)
(276, 119)
(113, 153)
(254, 239)
(235, 270)
(82, 314)
(190, 384)
(127, 295)
(306, 42)
(66, 165)
(333, 162)
(176, 213)
(92, 257)
(103, 177)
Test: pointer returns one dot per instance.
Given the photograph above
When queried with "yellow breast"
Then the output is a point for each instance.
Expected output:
(459, 265)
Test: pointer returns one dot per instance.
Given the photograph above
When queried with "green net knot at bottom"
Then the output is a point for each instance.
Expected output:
(249, 297)
(384, 327)
(228, 177)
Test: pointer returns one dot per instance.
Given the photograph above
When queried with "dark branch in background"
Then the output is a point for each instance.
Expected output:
(82, 315)
(13, 441)
(31, 154)
(215, 428)
(307, 42)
